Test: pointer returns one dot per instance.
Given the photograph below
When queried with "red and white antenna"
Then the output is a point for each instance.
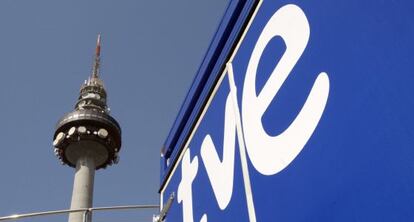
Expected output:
(95, 71)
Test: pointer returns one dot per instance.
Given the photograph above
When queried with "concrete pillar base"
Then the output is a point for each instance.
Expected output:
(82, 195)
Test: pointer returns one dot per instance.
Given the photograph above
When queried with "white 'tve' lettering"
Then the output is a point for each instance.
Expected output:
(268, 154)
(185, 191)
(271, 154)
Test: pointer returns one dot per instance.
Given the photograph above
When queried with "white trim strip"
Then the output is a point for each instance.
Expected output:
(240, 137)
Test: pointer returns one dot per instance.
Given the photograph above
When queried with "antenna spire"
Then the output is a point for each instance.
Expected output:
(95, 71)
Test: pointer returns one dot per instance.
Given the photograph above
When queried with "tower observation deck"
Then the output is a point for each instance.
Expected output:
(87, 138)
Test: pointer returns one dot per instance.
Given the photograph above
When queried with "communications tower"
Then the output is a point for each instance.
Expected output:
(87, 139)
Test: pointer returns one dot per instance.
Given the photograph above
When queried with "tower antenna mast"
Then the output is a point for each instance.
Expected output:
(95, 71)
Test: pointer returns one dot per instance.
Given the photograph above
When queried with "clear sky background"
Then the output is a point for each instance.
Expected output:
(150, 53)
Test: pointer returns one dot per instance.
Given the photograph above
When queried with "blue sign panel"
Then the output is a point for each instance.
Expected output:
(308, 118)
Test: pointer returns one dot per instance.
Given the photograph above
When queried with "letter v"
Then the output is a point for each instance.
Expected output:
(219, 172)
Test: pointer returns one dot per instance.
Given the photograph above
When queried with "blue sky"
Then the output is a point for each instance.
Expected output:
(150, 53)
